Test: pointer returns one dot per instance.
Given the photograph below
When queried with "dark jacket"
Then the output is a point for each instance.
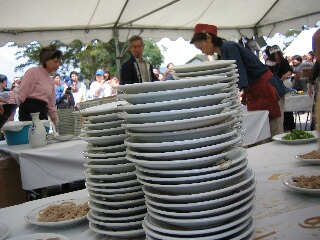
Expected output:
(130, 72)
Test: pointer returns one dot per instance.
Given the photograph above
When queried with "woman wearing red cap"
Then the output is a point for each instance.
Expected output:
(263, 90)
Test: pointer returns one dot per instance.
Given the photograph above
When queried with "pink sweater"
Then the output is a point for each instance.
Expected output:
(38, 84)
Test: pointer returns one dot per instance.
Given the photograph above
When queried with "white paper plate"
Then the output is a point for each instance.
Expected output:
(4, 231)
(313, 161)
(289, 183)
(200, 66)
(183, 124)
(40, 236)
(206, 72)
(278, 138)
(31, 216)
(178, 104)
(168, 95)
(168, 85)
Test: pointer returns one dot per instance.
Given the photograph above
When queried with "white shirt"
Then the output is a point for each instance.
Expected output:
(80, 96)
(105, 90)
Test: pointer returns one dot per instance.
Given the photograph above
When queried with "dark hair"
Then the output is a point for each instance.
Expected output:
(217, 41)
(136, 38)
(169, 64)
(106, 70)
(297, 57)
(3, 78)
(74, 72)
(56, 75)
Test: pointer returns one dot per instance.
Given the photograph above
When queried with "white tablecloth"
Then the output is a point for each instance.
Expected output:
(276, 208)
(50, 165)
(256, 127)
(298, 102)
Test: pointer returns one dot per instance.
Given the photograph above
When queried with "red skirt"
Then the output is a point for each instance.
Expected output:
(262, 95)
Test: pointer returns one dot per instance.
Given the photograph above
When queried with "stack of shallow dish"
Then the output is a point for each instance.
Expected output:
(184, 141)
(77, 123)
(116, 199)
(66, 121)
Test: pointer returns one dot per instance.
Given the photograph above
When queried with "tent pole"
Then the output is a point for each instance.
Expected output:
(116, 42)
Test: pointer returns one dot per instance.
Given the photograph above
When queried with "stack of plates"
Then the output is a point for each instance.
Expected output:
(185, 142)
(77, 123)
(66, 121)
(116, 199)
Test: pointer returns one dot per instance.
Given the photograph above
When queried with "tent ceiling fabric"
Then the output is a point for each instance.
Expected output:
(45, 21)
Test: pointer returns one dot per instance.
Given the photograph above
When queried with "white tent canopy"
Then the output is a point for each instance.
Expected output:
(302, 44)
(24, 21)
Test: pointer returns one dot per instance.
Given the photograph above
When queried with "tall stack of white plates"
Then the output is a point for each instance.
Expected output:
(116, 199)
(66, 121)
(184, 138)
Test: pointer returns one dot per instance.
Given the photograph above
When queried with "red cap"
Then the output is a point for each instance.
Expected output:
(205, 28)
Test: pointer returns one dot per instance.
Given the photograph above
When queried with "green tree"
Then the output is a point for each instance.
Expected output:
(87, 58)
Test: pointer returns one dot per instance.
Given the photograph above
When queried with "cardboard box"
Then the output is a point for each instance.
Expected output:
(11, 192)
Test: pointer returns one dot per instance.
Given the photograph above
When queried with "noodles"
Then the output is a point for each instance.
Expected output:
(62, 212)
(310, 155)
(313, 222)
(312, 182)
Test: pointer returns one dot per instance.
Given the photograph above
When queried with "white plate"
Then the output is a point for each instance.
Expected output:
(40, 236)
(197, 187)
(116, 177)
(278, 138)
(185, 154)
(117, 226)
(130, 188)
(102, 118)
(226, 162)
(104, 155)
(289, 183)
(127, 233)
(118, 197)
(105, 140)
(126, 211)
(107, 161)
(205, 222)
(200, 209)
(31, 217)
(105, 108)
(200, 66)
(163, 227)
(4, 231)
(176, 125)
(186, 103)
(162, 116)
(138, 145)
(103, 125)
(110, 169)
(63, 138)
(313, 161)
(118, 204)
(168, 85)
(245, 182)
(184, 134)
(102, 132)
(103, 217)
(168, 95)
(108, 149)
(206, 72)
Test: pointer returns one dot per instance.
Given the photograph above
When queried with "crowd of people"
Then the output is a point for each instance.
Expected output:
(264, 84)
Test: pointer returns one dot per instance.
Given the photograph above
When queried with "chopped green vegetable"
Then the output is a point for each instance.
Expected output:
(298, 134)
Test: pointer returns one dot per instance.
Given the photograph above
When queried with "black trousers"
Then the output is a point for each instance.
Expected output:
(32, 106)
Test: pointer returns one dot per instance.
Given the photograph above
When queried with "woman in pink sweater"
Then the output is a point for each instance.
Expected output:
(37, 89)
